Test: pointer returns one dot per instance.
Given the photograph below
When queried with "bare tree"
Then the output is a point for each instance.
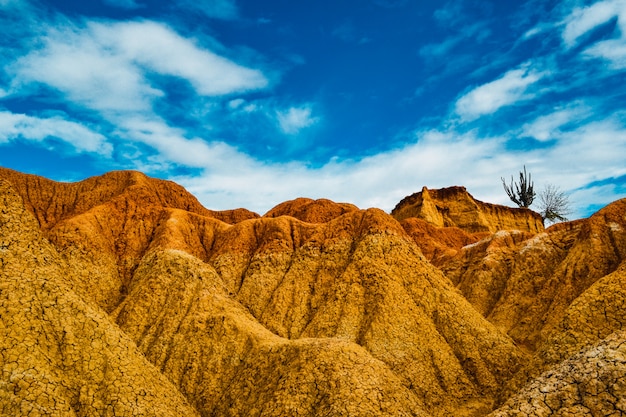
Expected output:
(553, 204)
(523, 193)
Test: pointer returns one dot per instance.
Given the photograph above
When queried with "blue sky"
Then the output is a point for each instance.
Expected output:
(250, 103)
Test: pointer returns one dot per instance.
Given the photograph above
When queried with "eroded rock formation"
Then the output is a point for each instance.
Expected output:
(590, 383)
(455, 207)
(122, 295)
(59, 355)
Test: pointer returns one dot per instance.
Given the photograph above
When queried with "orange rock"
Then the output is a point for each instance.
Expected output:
(316, 308)
(439, 244)
(311, 211)
(455, 207)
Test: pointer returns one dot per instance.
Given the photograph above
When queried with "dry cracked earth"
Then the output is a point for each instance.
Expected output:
(121, 295)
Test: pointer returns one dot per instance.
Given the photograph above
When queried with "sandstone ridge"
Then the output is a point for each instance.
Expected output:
(122, 295)
(455, 207)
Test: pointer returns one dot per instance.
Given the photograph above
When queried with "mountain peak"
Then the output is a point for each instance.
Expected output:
(456, 207)
(311, 211)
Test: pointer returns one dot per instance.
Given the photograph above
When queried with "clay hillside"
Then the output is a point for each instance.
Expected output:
(122, 296)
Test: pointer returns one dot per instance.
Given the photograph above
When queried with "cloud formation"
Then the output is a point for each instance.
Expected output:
(294, 119)
(166, 102)
(583, 20)
(437, 158)
(20, 126)
(488, 98)
(547, 128)
(109, 68)
(105, 66)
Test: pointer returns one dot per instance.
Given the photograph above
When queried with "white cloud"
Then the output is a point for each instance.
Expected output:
(174, 147)
(107, 67)
(160, 49)
(505, 91)
(595, 150)
(613, 50)
(14, 126)
(546, 128)
(583, 20)
(600, 195)
(530, 33)
(90, 75)
(236, 103)
(170, 142)
(249, 108)
(295, 119)
(589, 153)
(377, 181)
(103, 66)
(239, 104)
(436, 159)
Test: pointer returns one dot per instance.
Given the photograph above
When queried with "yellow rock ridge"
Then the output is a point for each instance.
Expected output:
(122, 295)
(455, 207)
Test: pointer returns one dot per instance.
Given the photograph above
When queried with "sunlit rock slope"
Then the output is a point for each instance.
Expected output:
(122, 295)
(454, 206)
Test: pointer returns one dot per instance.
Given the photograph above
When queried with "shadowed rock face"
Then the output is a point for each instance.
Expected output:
(140, 301)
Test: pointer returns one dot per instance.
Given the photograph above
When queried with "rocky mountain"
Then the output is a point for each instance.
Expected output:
(122, 295)
(455, 207)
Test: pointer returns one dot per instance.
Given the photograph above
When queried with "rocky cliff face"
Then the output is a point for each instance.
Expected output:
(122, 295)
(455, 207)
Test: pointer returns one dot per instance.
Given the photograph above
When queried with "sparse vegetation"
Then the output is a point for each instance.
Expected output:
(553, 204)
(521, 193)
